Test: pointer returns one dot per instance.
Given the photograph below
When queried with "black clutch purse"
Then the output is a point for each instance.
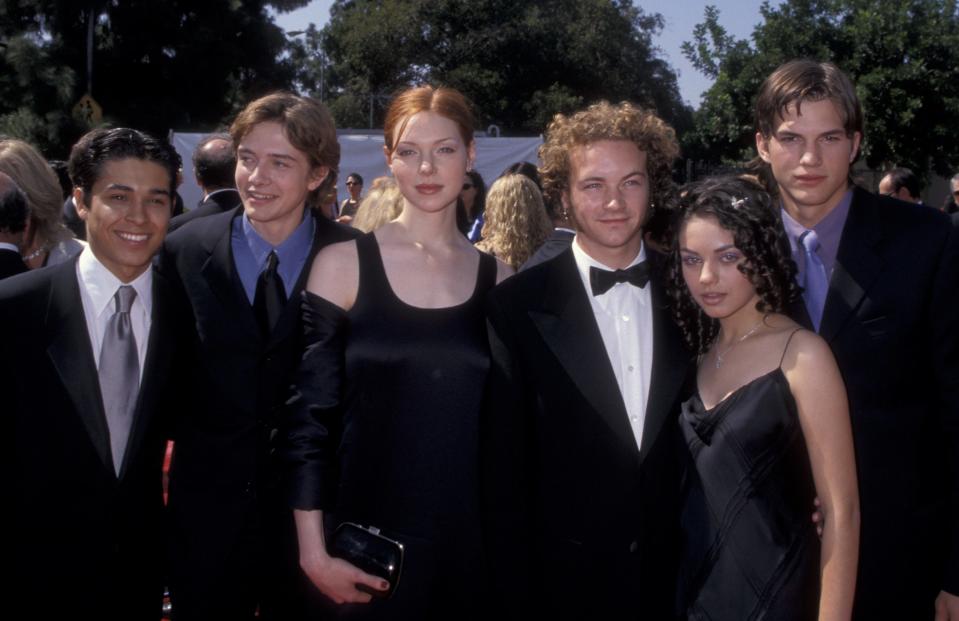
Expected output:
(367, 549)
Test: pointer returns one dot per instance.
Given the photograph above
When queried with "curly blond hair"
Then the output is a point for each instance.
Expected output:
(516, 222)
(605, 121)
(380, 205)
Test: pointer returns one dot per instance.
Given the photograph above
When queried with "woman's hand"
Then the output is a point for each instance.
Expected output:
(334, 577)
(339, 580)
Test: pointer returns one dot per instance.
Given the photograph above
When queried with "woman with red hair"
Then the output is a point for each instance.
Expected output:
(384, 421)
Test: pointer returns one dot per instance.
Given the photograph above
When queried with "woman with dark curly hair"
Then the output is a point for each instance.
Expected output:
(768, 428)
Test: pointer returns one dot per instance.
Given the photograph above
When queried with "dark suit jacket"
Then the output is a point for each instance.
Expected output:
(225, 499)
(578, 523)
(71, 219)
(220, 201)
(11, 263)
(557, 242)
(81, 538)
(897, 267)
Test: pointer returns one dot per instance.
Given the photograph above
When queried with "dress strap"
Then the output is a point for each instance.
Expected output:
(786, 347)
(486, 277)
(372, 272)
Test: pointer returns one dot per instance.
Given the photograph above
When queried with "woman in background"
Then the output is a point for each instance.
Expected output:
(46, 240)
(516, 221)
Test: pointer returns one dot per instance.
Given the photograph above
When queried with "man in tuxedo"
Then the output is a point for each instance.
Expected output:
(579, 444)
(875, 273)
(13, 221)
(85, 394)
(214, 162)
(242, 272)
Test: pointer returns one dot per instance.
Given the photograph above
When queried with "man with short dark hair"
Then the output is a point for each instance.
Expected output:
(86, 395)
(13, 221)
(214, 164)
(241, 272)
(876, 273)
(901, 183)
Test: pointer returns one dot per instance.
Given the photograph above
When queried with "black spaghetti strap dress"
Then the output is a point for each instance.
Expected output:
(750, 550)
(384, 432)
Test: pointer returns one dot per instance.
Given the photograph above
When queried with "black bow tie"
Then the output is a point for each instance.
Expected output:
(602, 281)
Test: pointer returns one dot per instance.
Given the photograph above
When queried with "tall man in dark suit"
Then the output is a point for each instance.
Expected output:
(875, 273)
(83, 398)
(13, 222)
(234, 543)
(579, 443)
(214, 162)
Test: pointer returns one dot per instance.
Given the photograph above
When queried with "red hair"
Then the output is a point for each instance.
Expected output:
(446, 102)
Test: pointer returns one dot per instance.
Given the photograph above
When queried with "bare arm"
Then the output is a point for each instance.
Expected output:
(824, 416)
(336, 578)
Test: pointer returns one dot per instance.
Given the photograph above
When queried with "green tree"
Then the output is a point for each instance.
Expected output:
(157, 64)
(519, 62)
(903, 56)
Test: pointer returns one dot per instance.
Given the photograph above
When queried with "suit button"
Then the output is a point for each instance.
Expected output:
(633, 546)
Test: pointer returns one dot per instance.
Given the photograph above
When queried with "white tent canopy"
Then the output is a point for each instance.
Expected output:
(362, 153)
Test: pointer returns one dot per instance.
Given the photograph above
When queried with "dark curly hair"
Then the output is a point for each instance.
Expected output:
(743, 208)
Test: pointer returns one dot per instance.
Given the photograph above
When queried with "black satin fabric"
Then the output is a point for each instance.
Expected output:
(750, 550)
(384, 432)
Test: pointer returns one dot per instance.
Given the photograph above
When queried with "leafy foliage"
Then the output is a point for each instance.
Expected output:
(903, 56)
(157, 64)
(519, 62)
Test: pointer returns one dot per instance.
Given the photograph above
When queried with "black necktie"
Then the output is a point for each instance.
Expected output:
(270, 296)
(602, 281)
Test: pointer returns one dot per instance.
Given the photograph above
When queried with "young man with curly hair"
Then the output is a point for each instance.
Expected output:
(578, 441)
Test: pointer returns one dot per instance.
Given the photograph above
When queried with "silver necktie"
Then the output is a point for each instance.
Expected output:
(119, 373)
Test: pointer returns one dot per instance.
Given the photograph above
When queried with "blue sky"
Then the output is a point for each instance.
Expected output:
(739, 17)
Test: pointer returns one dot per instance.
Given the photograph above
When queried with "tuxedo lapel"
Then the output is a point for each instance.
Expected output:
(857, 264)
(568, 326)
(72, 356)
(670, 365)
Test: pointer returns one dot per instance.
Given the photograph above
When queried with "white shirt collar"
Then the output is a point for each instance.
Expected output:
(9, 246)
(101, 284)
(584, 262)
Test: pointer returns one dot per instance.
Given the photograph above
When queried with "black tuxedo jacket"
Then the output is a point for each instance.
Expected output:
(578, 522)
(80, 536)
(225, 500)
(220, 201)
(11, 263)
(896, 270)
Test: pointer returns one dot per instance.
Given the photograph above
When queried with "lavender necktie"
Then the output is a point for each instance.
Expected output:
(119, 373)
(815, 282)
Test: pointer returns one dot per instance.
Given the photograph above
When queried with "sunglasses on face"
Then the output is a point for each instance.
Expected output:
(467, 186)
(349, 183)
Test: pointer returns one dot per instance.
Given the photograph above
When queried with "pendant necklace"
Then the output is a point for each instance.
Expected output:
(749, 333)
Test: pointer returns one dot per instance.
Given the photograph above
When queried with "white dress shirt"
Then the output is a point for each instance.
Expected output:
(624, 315)
(8, 246)
(98, 285)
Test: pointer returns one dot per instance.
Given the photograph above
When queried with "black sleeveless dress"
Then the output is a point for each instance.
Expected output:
(750, 550)
(384, 432)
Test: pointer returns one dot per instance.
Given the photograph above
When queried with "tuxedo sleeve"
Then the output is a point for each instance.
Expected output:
(314, 411)
(505, 473)
(945, 347)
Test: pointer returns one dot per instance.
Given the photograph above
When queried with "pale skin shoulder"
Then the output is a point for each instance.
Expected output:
(335, 274)
(820, 396)
(503, 271)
